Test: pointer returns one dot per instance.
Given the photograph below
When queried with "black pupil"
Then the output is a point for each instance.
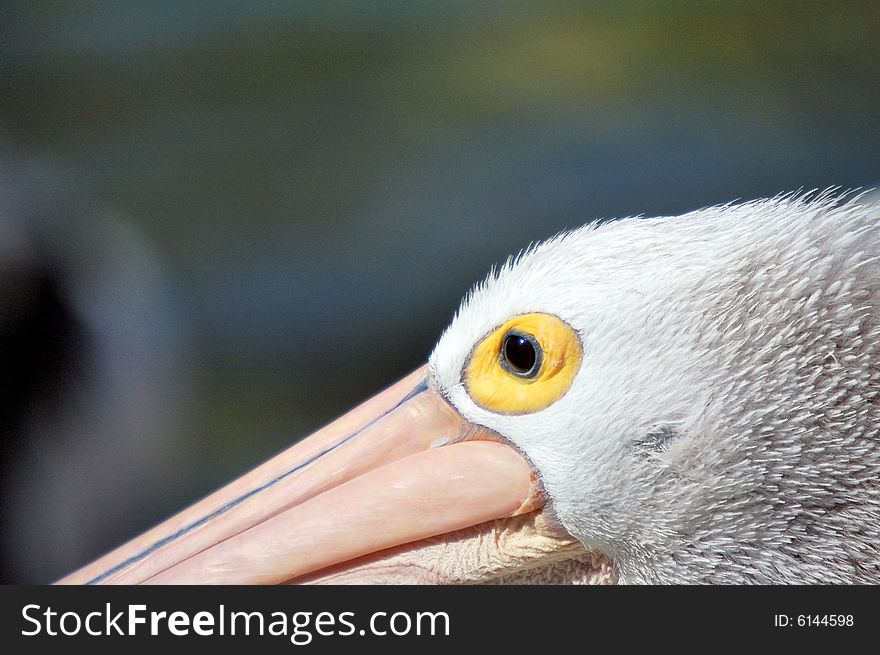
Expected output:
(519, 353)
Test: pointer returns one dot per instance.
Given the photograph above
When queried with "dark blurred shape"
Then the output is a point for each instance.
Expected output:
(42, 345)
(90, 368)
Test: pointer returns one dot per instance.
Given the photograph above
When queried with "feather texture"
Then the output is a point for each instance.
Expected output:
(724, 426)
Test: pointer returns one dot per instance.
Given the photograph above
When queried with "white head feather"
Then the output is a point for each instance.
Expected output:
(725, 422)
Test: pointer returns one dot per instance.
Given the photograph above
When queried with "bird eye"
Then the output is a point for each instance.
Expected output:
(521, 354)
(524, 365)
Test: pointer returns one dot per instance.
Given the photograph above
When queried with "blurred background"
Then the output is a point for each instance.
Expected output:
(224, 223)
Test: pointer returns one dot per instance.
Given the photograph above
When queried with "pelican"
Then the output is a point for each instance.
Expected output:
(690, 399)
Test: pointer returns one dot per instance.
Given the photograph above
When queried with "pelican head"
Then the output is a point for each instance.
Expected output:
(674, 399)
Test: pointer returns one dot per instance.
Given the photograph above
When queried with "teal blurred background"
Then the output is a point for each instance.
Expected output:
(257, 214)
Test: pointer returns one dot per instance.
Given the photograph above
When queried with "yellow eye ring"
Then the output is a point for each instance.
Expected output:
(525, 365)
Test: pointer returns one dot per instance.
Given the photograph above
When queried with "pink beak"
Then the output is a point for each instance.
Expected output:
(402, 467)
